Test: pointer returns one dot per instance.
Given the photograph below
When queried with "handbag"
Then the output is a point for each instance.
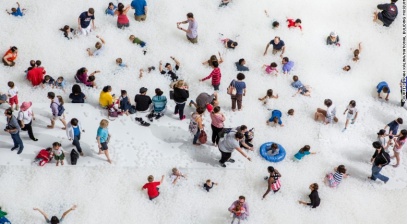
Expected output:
(203, 137)
(232, 89)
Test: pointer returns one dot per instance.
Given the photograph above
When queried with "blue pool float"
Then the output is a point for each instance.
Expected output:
(276, 158)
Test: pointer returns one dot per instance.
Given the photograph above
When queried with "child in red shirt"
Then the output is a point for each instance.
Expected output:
(296, 23)
(152, 187)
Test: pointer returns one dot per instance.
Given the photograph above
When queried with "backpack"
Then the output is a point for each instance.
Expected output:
(387, 157)
(203, 137)
(224, 132)
(61, 109)
(132, 109)
(74, 156)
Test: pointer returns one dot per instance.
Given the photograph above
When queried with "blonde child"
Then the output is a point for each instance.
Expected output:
(103, 138)
(12, 95)
(176, 175)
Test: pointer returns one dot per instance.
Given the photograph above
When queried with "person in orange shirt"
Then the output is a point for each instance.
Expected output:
(10, 56)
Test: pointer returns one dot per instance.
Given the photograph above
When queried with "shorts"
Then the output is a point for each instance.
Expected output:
(13, 100)
(123, 25)
(6, 64)
(193, 40)
(61, 157)
(350, 116)
(104, 146)
(331, 181)
(56, 117)
(140, 18)
(275, 51)
(86, 31)
(303, 90)
(397, 150)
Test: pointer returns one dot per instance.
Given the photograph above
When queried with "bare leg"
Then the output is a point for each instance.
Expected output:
(346, 123)
(397, 155)
(107, 156)
(52, 124)
(64, 123)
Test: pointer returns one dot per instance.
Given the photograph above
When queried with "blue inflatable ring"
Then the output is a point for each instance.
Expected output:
(276, 158)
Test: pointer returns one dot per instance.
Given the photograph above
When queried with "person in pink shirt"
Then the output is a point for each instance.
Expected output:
(292, 23)
(122, 19)
(215, 75)
(398, 145)
(242, 203)
(217, 124)
(271, 69)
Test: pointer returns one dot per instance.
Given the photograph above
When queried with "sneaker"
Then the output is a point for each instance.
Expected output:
(20, 151)
(158, 116)
(266, 178)
(222, 165)
(352, 122)
(12, 149)
(34, 139)
(183, 117)
(175, 113)
(81, 153)
(190, 103)
(231, 161)
(343, 130)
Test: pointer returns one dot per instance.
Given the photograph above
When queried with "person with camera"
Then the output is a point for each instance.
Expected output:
(13, 128)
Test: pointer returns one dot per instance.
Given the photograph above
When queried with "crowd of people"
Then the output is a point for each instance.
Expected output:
(227, 140)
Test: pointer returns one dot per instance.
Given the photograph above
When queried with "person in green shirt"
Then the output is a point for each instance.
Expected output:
(3, 218)
(136, 40)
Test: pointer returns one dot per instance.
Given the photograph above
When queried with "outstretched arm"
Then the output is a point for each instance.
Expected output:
(267, 47)
(360, 47)
(42, 213)
(68, 211)
(176, 61)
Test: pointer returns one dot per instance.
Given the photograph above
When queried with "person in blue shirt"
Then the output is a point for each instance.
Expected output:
(16, 11)
(84, 20)
(303, 152)
(140, 10)
(393, 128)
(240, 65)
(111, 9)
(287, 65)
(276, 118)
(301, 89)
(159, 105)
(278, 45)
(382, 86)
(240, 87)
(103, 138)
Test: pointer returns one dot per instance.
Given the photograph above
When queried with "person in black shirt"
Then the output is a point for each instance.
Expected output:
(388, 15)
(314, 197)
(169, 70)
(379, 159)
(181, 94)
(209, 185)
(143, 101)
(77, 96)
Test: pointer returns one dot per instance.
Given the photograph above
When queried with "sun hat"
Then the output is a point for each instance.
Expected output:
(25, 106)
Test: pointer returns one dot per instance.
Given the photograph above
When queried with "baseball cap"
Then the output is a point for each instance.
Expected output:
(333, 34)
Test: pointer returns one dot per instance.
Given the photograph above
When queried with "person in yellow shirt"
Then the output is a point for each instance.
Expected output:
(106, 99)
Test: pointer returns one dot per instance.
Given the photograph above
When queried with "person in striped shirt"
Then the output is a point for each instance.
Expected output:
(334, 179)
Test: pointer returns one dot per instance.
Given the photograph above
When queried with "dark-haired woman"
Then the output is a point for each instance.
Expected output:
(54, 219)
(106, 99)
(69, 32)
(240, 87)
(122, 19)
(398, 145)
(77, 95)
(10, 56)
(314, 196)
(273, 181)
(82, 77)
